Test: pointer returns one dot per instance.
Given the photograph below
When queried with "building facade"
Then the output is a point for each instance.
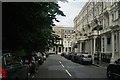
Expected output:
(66, 34)
(97, 30)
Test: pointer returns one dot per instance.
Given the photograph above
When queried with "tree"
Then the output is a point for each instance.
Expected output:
(28, 26)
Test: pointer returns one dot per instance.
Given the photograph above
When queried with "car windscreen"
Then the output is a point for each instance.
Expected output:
(86, 56)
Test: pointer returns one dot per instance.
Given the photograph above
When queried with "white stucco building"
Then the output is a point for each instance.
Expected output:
(97, 29)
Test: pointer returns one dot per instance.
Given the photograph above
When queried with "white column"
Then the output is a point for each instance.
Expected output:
(94, 47)
(91, 47)
(105, 43)
(80, 46)
(110, 19)
(119, 43)
(113, 46)
(101, 45)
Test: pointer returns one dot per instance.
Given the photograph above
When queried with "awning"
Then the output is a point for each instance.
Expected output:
(98, 27)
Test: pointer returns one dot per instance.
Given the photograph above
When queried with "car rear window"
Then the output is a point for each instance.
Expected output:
(86, 56)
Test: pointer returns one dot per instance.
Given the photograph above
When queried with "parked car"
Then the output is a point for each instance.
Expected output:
(69, 55)
(12, 67)
(113, 69)
(44, 55)
(32, 63)
(85, 58)
(73, 57)
(77, 56)
(40, 58)
(63, 54)
(2, 72)
(47, 54)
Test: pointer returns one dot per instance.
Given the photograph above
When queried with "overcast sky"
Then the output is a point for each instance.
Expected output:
(71, 10)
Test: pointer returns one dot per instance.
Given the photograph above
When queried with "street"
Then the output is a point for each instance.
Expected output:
(59, 67)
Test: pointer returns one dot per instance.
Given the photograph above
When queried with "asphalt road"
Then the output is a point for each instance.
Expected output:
(59, 67)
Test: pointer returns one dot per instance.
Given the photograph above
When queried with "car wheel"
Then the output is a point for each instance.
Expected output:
(109, 74)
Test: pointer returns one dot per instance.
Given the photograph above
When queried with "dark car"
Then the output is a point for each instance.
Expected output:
(76, 57)
(40, 58)
(113, 70)
(63, 54)
(69, 56)
(47, 54)
(73, 56)
(12, 67)
(44, 55)
(32, 63)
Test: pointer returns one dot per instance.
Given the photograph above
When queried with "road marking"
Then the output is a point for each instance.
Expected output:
(65, 69)
(63, 66)
(60, 62)
(68, 72)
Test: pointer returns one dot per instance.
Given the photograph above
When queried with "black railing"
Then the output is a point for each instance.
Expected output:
(105, 57)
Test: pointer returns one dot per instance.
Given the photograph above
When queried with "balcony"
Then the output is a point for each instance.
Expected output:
(105, 31)
(82, 38)
(94, 33)
(106, 10)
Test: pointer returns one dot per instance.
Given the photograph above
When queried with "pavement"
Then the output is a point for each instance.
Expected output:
(101, 64)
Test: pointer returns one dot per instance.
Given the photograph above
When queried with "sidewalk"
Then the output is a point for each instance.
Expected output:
(101, 64)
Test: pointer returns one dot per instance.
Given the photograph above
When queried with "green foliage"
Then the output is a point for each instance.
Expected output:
(28, 26)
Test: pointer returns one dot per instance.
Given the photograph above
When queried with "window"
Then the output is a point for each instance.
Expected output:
(108, 40)
(115, 15)
(65, 36)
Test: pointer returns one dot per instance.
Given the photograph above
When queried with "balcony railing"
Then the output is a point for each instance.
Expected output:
(105, 30)
(82, 38)
(95, 33)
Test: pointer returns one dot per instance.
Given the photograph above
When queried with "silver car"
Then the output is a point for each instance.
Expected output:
(85, 59)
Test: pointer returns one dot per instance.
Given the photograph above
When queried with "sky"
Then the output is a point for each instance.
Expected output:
(71, 10)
